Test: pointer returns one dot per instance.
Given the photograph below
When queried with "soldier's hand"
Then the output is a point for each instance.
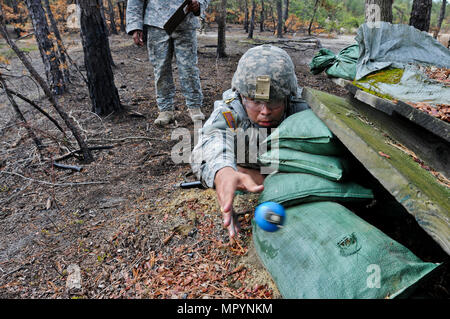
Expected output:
(194, 7)
(227, 181)
(138, 38)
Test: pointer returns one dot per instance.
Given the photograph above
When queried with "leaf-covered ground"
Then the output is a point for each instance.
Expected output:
(122, 220)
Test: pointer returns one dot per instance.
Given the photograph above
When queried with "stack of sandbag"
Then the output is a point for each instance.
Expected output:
(304, 144)
(323, 249)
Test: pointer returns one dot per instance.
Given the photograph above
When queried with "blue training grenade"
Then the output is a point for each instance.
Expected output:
(270, 216)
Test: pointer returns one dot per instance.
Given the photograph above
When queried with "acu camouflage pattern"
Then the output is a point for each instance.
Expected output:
(265, 60)
(161, 48)
(217, 145)
(157, 13)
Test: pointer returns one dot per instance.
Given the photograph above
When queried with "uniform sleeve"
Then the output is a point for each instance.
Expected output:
(215, 148)
(203, 6)
(134, 15)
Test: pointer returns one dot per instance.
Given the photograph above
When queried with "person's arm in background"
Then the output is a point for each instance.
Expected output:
(135, 20)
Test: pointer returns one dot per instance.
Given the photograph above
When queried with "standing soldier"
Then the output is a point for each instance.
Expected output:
(162, 47)
(264, 92)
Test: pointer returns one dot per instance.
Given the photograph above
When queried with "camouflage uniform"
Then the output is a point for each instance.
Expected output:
(161, 47)
(217, 145)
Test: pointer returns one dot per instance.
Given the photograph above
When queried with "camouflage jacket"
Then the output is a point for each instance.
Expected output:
(157, 13)
(218, 144)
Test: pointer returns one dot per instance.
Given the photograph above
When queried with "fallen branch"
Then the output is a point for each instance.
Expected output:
(123, 139)
(51, 184)
(91, 148)
(71, 167)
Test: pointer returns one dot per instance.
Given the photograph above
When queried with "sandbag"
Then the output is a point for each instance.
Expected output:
(324, 251)
(342, 65)
(304, 131)
(290, 189)
(293, 161)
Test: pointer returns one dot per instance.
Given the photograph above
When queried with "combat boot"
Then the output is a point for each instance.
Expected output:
(196, 114)
(164, 118)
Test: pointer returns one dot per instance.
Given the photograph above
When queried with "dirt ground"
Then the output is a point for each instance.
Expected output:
(122, 220)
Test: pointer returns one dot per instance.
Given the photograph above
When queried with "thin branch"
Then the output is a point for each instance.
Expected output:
(20, 116)
(52, 184)
(37, 107)
(91, 148)
(123, 139)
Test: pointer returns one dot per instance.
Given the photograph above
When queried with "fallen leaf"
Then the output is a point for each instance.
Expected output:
(383, 154)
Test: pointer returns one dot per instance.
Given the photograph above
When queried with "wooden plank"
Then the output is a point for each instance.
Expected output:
(432, 150)
(423, 119)
(416, 189)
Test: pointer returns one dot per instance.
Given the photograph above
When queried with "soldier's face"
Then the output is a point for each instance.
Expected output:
(266, 114)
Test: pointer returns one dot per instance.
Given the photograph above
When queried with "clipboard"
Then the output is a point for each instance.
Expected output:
(177, 17)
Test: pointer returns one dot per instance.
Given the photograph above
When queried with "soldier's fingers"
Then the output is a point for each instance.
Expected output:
(137, 38)
(227, 217)
(225, 194)
(248, 184)
(234, 227)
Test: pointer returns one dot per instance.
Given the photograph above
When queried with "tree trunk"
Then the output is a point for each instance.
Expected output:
(246, 16)
(221, 23)
(46, 48)
(316, 4)
(421, 14)
(112, 18)
(122, 9)
(87, 156)
(102, 13)
(261, 18)
(378, 10)
(440, 19)
(61, 49)
(102, 90)
(280, 19)
(285, 14)
(252, 20)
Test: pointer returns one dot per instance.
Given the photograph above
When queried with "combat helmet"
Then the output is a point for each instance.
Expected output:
(265, 72)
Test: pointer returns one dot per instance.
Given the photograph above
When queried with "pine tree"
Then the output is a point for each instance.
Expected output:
(97, 59)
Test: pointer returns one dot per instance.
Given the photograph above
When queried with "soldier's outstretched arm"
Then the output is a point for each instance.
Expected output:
(227, 181)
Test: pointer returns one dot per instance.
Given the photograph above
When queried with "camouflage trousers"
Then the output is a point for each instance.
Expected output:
(161, 50)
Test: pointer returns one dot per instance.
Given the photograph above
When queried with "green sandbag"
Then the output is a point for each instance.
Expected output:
(322, 60)
(290, 189)
(324, 251)
(292, 161)
(304, 131)
(342, 65)
(345, 65)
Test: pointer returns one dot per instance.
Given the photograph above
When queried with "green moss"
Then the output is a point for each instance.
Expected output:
(388, 76)
(401, 161)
